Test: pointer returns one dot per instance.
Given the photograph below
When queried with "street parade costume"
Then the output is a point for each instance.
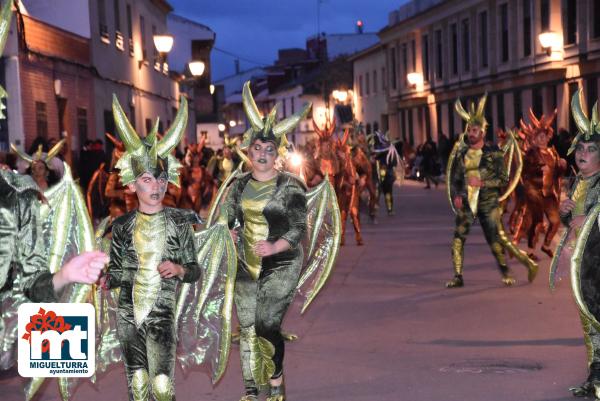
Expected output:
(36, 238)
(334, 161)
(279, 208)
(62, 230)
(387, 159)
(585, 279)
(541, 178)
(488, 164)
(150, 309)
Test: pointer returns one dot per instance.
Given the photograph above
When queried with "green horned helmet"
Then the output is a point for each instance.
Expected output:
(267, 129)
(149, 154)
(473, 116)
(589, 129)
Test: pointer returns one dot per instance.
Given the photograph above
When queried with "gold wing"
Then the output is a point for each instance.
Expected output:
(322, 241)
(67, 232)
(590, 222)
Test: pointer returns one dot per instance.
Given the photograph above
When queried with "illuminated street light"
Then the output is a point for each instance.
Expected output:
(221, 127)
(550, 41)
(163, 43)
(232, 123)
(196, 68)
(415, 79)
(211, 88)
(340, 95)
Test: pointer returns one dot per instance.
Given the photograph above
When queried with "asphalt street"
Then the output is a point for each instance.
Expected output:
(385, 328)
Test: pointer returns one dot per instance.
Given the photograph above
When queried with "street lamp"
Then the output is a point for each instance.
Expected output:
(340, 95)
(163, 43)
(196, 68)
(415, 79)
(551, 42)
(232, 123)
(221, 127)
(211, 88)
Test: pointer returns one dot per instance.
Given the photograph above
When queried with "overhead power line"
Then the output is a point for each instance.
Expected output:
(237, 56)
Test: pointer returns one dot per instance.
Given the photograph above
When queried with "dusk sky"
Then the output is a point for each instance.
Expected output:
(255, 29)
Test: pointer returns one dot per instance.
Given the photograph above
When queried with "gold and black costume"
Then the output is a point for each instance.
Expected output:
(488, 166)
(146, 318)
(265, 287)
(147, 303)
(482, 203)
(585, 277)
(279, 208)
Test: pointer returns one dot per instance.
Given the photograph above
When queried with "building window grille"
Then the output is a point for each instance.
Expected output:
(130, 31)
(41, 119)
(374, 81)
(143, 38)
(439, 53)
(360, 85)
(595, 4)
(483, 39)
(119, 40)
(425, 58)
(367, 84)
(82, 126)
(504, 45)
(527, 39)
(466, 45)
(102, 22)
(545, 15)
(392, 69)
(569, 8)
(404, 62)
(413, 54)
(454, 38)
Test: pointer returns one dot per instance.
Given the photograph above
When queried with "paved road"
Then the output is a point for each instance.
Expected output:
(386, 329)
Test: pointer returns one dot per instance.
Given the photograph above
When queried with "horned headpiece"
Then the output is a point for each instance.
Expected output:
(149, 154)
(39, 155)
(327, 132)
(544, 123)
(588, 128)
(267, 128)
(473, 116)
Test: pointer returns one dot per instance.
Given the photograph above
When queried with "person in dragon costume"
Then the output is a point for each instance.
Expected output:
(29, 271)
(580, 214)
(476, 174)
(387, 159)
(269, 212)
(152, 250)
(542, 172)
